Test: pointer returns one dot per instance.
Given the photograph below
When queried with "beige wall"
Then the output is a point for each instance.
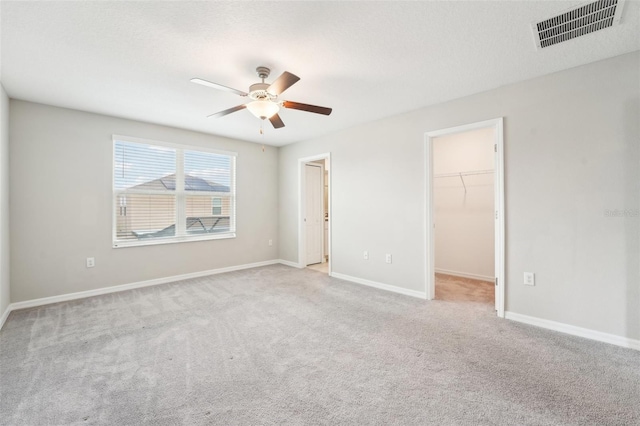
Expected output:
(61, 205)
(571, 154)
(5, 296)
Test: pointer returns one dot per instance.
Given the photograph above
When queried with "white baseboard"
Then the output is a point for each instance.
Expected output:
(381, 286)
(575, 331)
(5, 315)
(539, 322)
(114, 289)
(289, 263)
(465, 275)
(106, 290)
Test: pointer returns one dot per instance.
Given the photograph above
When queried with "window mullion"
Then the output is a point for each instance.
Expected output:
(181, 220)
(232, 192)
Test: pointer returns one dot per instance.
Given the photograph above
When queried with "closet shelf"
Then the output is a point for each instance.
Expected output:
(461, 175)
(469, 173)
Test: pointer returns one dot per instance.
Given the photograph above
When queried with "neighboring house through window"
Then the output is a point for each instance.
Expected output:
(171, 193)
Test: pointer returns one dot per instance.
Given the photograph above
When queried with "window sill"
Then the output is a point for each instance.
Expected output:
(173, 240)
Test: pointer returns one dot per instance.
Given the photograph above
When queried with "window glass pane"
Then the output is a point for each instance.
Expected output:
(205, 171)
(199, 216)
(141, 166)
(142, 216)
(216, 206)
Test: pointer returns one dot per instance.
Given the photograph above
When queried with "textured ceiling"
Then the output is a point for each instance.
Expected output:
(367, 60)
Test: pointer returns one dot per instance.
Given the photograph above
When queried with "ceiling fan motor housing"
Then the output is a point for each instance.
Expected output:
(259, 92)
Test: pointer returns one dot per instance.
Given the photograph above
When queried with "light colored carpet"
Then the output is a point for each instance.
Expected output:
(277, 345)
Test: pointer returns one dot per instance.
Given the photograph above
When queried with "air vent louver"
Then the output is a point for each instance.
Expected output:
(577, 22)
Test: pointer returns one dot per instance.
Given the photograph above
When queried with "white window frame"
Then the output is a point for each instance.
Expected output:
(180, 194)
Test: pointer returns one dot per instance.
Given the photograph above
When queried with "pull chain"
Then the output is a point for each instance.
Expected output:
(262, 133)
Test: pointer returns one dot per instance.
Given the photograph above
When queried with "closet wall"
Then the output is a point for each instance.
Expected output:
(464, 233)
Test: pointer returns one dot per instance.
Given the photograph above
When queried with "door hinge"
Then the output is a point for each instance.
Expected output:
(495, 147)
(496, 215)
(496, 282)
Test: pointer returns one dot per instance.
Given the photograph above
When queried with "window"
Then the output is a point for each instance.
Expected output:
(166, 193)
(216, 206)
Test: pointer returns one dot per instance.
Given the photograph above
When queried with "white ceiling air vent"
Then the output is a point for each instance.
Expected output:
(577, 22)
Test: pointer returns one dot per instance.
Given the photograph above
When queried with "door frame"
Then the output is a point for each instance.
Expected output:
(497, 125)
(302, 198)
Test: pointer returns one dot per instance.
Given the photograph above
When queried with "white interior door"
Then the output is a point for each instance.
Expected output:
(314, 213)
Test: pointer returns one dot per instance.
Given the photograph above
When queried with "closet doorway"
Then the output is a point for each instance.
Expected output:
(465, 214)
(314, 214)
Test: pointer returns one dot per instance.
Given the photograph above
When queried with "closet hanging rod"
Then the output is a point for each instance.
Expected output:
(470, 173)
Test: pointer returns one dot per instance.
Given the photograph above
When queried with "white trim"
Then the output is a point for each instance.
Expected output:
(180, 225)
(464, 128)
(115, 289)
(381, 286)
(429, 271)
(5, 315)
(302, 256)
(599, 336)
(464, 275)
(429, 243)
(144, 141)
(292, 264)
(174, 240)
(500, 244)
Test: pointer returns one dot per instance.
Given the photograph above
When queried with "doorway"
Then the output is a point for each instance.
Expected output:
(314, 236)
(465, 213)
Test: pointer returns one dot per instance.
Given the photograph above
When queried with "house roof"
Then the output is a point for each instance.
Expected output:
(192, 183)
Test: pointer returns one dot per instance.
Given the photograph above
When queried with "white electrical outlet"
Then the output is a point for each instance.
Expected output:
(91, 262)
(270, 243)
(366, 255)
(529, 278)
(387, 258)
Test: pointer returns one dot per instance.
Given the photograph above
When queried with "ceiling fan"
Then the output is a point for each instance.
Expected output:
(264, 102)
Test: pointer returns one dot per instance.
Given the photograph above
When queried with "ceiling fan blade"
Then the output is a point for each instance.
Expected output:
(276, 121)
(218, 86)
(306, 107)
(227, 111)
(282, 83)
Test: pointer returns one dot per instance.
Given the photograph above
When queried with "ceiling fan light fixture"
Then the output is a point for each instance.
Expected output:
(263, 109)
(263, 97)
